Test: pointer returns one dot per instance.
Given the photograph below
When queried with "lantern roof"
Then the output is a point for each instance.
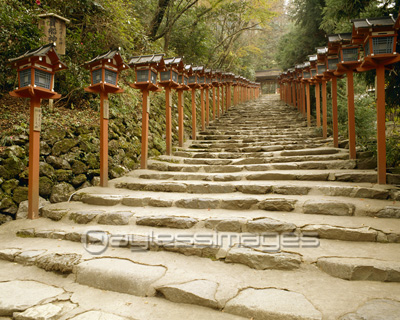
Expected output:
(152, 59)
(339, 38)
(299, 66)
(111, 54)
(373, 22)
(208, 71)
(322, 50)
(312, 58)
(175, 62)
(45, 15)
(43, 51)
(199, 70)
(188, 69)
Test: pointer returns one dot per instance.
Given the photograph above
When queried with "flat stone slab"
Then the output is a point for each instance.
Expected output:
(272, 304)
(263, 260)
(342, 233)
(269, 225)
(48, 311)
(167, 222)
(17, 296)
(328, 207)
(28, 257)
(115, 218)
(199, 292)
(57, 262)
(376, 310)
(361, 269)
(97, 315)
(119, 275)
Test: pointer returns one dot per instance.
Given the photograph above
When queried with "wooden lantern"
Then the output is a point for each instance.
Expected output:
(313, 65)
(36, 69)
(104, 72)
(146, 69)
(169, 75)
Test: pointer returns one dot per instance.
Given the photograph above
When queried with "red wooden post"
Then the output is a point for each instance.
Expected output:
(217, 102)
(213, 102)
(145, 128)
(381, 123)
(308, 105)
(203, 116)
(207, 106)
(103, 139)
(324, 111)
(193, 113)
(335, 126)
(318, 100)
(180, 117)
(351, 114)
(168, 120)
(34, 157)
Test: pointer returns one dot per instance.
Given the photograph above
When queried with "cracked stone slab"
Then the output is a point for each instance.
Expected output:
(263, 260)
(102, 199)
(167, 222)
(119, 275)
(17, 296)
(361, 269)
(376, 309)
(225, 224)
(119, 218)
(272, 304)
(63, 263)
(97, 315)
(9, 254)
(269, 225)
(342, 233)
(389, 212)
(197, 203)
(277, 204)
(198, 292)
(328, 207)
(48, 311)
(84, 217)
(29, 257)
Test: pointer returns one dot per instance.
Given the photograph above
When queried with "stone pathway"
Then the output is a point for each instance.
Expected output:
(260, 218)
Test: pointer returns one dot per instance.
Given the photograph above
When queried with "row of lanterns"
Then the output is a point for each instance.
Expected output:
(371, 45)
(36, 70)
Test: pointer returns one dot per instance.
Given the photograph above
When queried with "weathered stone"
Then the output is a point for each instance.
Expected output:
(291, 190)
(26, 233)
(198, 292)
(20, 194)
(4, 218)
(48, 311)
(277, 204)
(342, 233)
(97, 315)
(361, 269)
(135, 202)
(102, 199)
(389, 212)
(372, 193)
(22, 212)
(58, 163)
(210, 188)
(160, 203)
(328, 207)
(61, 192)
(119, 275)
(226, 177)
(63, 263)
(45, 149)
(238, 204)
(375, 310)
(167, 222)
(271, 304)
(28, 258)
(46, 170)
(115, 218)
(63, 175)
(197, 203)
(20, 295)
(271, 176)
(357, 177)
(263, 260)
(53, 214)
(312, 176)
(9, 185)
(84, 217)
(78, 180)
(11, 168)
(9, 254)
(269, 225)
(227, 224)
(73, 236)
(254, 189)
(7, 205)
(78, 167)
(45, 186)
(63, 146)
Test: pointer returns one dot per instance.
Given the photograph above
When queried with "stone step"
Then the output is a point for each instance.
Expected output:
(325, 227)
(311, 204)
(251, 184)
(249, 147)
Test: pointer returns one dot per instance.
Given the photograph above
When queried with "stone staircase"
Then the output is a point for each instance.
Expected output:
(260, 218)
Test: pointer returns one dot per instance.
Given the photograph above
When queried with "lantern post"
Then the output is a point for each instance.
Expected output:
(331, 65)
(36, 71)
(313, 61)
(216, 84)
(146, 69)
(321, 69)
(349, 60)
(183, 86)
(169, 80)
(201, 80)
(104, 73)
(307, 79)
(208, 86)
(194, 84)
(378, 36)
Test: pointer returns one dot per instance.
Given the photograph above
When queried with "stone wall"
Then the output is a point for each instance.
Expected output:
(69, 159)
